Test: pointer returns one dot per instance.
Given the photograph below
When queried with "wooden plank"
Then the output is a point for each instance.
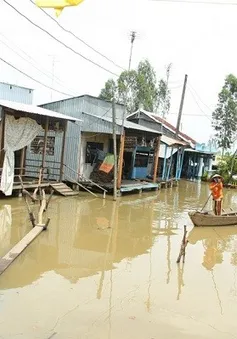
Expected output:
(7, 259)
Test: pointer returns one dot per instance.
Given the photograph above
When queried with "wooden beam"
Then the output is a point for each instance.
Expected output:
(45, 142)
(19, 248)
(164, 163)
(63, 152)
(22, 161)
(170, 164)
(2, 131)
(156, 159)
(120, 164)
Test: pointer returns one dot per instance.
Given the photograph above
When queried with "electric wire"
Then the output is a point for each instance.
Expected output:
(58, 40)
(77, 37)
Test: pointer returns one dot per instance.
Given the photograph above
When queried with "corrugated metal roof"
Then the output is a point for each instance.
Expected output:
(31, 109)
(167, 125)
(170, 141)
(127, 124)
(198, 151)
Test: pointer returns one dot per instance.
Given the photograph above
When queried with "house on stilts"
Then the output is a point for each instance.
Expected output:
(90, 144)
(185, 157)
(25, 128)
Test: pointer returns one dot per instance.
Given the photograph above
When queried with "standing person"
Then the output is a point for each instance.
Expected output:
(216, 187)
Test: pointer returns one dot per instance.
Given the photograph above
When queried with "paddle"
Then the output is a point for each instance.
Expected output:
(206, 202)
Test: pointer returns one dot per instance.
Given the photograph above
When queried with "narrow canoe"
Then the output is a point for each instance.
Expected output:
(212, 220)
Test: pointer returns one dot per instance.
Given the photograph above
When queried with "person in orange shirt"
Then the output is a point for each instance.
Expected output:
(216, 187)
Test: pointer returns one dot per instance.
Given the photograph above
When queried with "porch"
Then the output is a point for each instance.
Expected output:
(21, 125)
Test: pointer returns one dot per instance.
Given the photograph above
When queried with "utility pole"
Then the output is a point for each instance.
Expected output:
(165, 106)
(181, 105)
(122, 136)
(115, 149)
(133, 37)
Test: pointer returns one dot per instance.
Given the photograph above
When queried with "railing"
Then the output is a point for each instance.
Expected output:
(82, 178)
(49, 171)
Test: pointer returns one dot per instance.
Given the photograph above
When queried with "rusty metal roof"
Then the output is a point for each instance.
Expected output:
(32, 109)
(170, 141)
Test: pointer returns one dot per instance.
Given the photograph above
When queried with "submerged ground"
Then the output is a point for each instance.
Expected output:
(108, 270)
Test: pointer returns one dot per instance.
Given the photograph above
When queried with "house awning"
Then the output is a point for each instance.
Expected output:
(35, 110)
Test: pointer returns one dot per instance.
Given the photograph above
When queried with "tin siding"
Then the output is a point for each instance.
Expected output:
(16, 93)
(73, 155)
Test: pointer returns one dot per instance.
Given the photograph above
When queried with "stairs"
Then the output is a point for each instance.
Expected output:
(63, 189)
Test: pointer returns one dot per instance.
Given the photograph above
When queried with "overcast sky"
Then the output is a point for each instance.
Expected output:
(198, 39)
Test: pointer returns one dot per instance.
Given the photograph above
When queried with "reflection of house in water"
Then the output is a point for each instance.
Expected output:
(74, 247)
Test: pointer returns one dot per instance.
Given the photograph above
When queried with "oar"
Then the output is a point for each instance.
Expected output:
(206, 202)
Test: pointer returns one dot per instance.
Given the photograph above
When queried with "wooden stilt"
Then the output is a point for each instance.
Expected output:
(2, 130)
(46, 128)
(120, 167)
(22, 161)
(183, 246)
(156, 158)
(63, 152)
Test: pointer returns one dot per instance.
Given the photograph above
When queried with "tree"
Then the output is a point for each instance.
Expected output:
(110, 89)
(127, 90)
(139, 87)
(224, 118)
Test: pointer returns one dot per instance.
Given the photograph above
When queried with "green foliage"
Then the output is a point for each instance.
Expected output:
(225, 167)
(138, 87)
(110, 89)
(224, 118)
(205, 176)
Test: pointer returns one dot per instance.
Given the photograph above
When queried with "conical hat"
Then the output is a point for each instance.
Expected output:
(216, 176)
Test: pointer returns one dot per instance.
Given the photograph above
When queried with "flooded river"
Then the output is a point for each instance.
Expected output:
(107, 270)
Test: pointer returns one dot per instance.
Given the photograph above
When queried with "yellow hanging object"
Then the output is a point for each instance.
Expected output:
(58, 5)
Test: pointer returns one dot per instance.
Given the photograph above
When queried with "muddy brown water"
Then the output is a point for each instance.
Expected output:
(108, 270)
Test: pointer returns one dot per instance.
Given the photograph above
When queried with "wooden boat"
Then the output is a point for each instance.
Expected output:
(210, 219)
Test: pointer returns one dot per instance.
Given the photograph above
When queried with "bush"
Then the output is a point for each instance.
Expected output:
(205, 176)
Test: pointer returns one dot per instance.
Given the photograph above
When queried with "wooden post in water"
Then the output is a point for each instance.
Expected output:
(183, 246)
(156, 158)
(115, 149)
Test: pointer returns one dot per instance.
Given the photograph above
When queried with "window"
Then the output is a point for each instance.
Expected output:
(141, 159)
(37, 145)
(91, 151)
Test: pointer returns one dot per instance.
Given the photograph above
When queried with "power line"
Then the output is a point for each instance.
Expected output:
(59, 41)
(207, 116)
(28, 55)
(31, 63)
(77, 37)
(191, 87)
(28, 76)
(200, 2)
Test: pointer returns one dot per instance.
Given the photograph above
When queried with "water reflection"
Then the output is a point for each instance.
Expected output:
(113, 265)
(215, 241)
(84, 239)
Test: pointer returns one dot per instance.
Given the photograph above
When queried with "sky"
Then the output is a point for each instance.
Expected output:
(198, 39)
